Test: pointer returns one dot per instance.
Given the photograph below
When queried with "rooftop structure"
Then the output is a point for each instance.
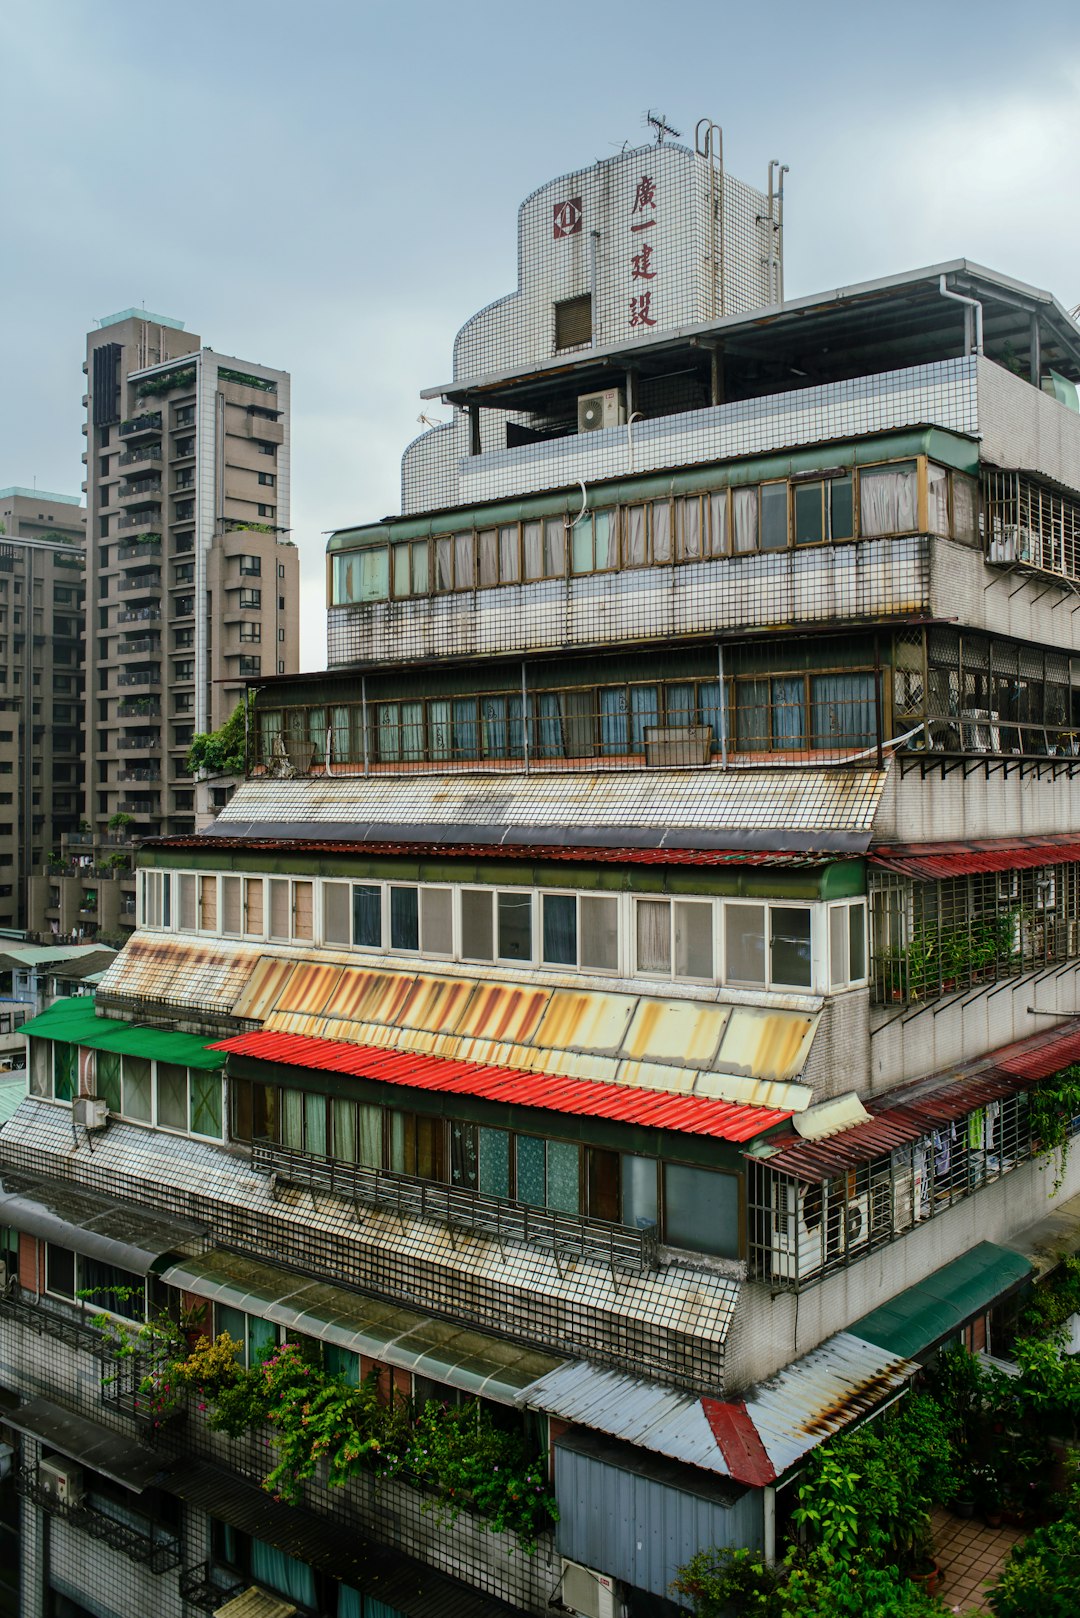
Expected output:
(615, 992)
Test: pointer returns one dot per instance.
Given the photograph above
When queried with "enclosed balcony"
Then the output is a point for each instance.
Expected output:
(139, 427)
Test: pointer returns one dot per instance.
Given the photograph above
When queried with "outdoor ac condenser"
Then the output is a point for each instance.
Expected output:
(586, 1592)
(596, 411)
(62, 1480)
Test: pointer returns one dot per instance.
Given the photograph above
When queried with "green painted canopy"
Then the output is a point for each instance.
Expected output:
(924, 1315)
(75, 1022)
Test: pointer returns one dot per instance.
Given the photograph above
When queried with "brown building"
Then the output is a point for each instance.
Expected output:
(192, 579)
(42, 627)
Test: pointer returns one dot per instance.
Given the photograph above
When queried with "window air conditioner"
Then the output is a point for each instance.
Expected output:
(90, 1111)
(798, 1227)
(979, 730)
(586, 1592)
(62, 1480)
(857, 1222)
(677, 745)
(1010, 544)
(598, 410)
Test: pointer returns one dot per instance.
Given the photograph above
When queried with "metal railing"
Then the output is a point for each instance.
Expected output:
(199, 1588)
(131, 615)
(145, 773)
(139, 548)
(48, 1322)
(141, 519)
(138, 744)
(144, 643)
(140, 677)
(574, 1235)
(157, 1551)
(148, 423)
(142, 581)
(131, 457)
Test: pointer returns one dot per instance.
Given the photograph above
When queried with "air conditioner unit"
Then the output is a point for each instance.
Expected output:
(62, 1480)
(857, 1222)
(979, 730)
(677, 746)
(586, 1592)
(90, 1111)
(596, 411)
(1010, 544)
(796, 1244)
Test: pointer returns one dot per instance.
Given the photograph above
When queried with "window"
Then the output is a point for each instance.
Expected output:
(117, 1291)
(250, 665)
(251, 598)
(264, 448)
(251, 565)
(581, 930)
(573, 321)
(267, 479)
(592, 548)
(847, 943)
(251, 632)
(888, 499)
(790, 945)
(266, 511)
(548, 1173)
(256, 1338)
(701, 1210)
(675, 938)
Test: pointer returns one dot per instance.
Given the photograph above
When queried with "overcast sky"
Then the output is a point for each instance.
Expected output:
(330, 186)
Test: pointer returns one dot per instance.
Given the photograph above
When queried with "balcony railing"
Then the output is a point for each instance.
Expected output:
(150, 422)
(140, 677)
(138, 615)
(141, 486)
(141, 519)
(145, 773)
(152, 1548)
(147, 548)
(575, 1235)
(139, 708)
(200, 1587)
(131, 457)
(138, 744)
(144, 643)
(142, 581)
(25, 1310)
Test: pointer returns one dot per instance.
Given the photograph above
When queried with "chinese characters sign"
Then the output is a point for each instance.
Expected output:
(643, 267)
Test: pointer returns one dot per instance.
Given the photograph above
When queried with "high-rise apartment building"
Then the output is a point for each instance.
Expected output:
(192, 579)
(42, 572)
(608, 1016)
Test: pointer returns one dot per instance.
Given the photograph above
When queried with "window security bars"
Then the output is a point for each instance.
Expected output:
(802, 1231)
(200, 1587)
(1028, 525)
(25, 1309)
(155, 1550)
(570, 1235)
(930, 939)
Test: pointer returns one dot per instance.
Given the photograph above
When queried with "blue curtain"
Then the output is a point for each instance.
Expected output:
(681, 706)
(282, 1573)
(613, 742)
(645, 709)
(788, 716)
(752, 715)
(842, 710)
(493, 711)
(465, 728)
(549, 742)
(709, 698)
(350, 1603)
(560, 929)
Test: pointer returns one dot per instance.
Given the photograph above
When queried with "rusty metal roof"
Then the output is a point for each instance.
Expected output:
(753, 1440)
(507, 851)
(688, 1115)
(919, 1109)
(931, 861)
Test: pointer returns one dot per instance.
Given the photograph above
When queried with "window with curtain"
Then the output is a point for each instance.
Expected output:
(366, 916)
(634, 552)
(637, 1189)
(560, 934)
(285, 1574)
(204, 1100)
(65, 1070)
(688, 528)
(842, 710)
(510, 554)
(744, 943)
(937, 499)
(404, 919)
(888, 500)
(172, 1098)
(138, 1098)
(254, 910)
(653, 936)
(744, 520)
(108, 1079)
(701, 1210)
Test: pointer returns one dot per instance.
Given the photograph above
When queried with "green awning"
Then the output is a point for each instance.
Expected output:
(437, 1349)
(75, 1022)
(923, 1316)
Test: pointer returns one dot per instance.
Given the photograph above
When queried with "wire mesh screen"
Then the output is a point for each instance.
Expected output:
(928, 939)
(1032, 526)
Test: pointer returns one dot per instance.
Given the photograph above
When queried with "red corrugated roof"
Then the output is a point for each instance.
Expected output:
(929, 1105)
(590, 1098)
(929, 861)
(739, 1442)
(508, 851)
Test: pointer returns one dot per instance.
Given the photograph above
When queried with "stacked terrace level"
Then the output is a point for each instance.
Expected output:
(586, 1003)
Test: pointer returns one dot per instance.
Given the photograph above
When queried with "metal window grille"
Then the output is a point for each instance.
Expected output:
(1031, 526)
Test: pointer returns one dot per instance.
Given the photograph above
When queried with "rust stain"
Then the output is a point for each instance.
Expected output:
(840, 1411)
(581, 1021)
(309, 988)
(501, 1012)
(351, 991)
(261, 992)
(437, 1003)
(765, 1045)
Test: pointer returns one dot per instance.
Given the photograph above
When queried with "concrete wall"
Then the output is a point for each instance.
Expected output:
(1029, 801)
(1024, 428)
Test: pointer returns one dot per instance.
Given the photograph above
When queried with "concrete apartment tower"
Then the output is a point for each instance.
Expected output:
(42, 562)
(192, 579)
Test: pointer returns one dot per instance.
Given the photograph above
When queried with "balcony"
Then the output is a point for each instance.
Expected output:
(139, 744)
(152, 1547)
(139, 708)
(572, 1235)
(145, 772)
(139, 426)
(200, 1587)
(142, 581)
(145, 643)
(133, 615)
(140, 489)
(135, 457)
(141, 519)
(25, 1310)
(148, 548)
(140, 677)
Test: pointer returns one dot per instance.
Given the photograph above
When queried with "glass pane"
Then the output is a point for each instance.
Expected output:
(344, 1124)
(563, 1177)
(303, 911)
(744, 519)
(653, 935)
(530, 1171)
(603, 534)
(444, 563)
(638, 1191)
(560, 929)
(515, 926)
(336, 918)
(41, 1067)
(466, 728)
(717, 538)
(533, 545)
(205, 1093)
(842, 710)
(172, 1097)
(253, 906)
(234, 1322)
(789, 930)
(613, 714)
(279, 910)
(510, 554)
(292, 1119)
(857, 941)
(262, 1338)
(464, 561)
(137, 1096)
(554, 548)
(660, 525)
(477, 931)
(315, 1125)
(888, 500)
(688, 515)
(645, 712)
(375, 574)
(634, 536)
(841, 496)
(64, 1071)
(402, 570)
(369, 1134)
(752, 732)
(488, 543)
(838, 946)
(599, 937)
(581, 540)
(693, 940)
(187, 903)
(809, 514)
(788, 711)
(937, 499)
(59, 1271)
(404, 919)
(108, 1078)
(420, 568)
(437, 920)
(345, 1365)
(367, 917)
(494, 1152)
(701, 1210)
(774, 521)
(744, 943)
(463, 1154)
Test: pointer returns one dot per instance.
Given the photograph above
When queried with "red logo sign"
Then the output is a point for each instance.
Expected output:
(567, 218)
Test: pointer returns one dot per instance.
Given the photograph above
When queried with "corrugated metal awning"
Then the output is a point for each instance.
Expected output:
(74, 1022)
(484, 1366)
(598, 855)
(93, 1225)
(753, 1440)
(923, 1315)
(591, 1098)
(928, 862)
(114, 1455)
(929, 1105)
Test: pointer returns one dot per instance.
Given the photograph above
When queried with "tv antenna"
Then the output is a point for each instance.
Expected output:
(657, 121)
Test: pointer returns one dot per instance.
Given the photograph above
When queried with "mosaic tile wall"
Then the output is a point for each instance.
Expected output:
(872, 578)
(1023, 428)
(443, 473)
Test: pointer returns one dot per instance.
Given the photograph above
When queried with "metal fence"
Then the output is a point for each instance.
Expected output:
(152, 1548)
